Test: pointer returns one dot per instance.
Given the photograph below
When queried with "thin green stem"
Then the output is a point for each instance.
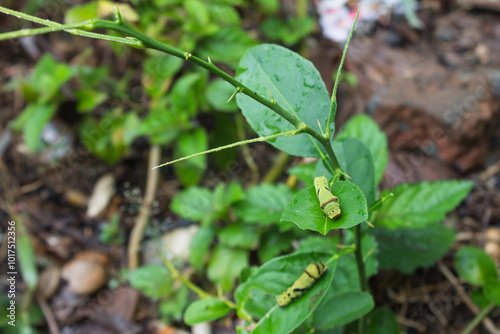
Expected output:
(276, 170)
(144, 41)
(333, 105)
(175, 274)
(149, 42)
(361, 271)
(379, 203)
(37, 31)
(72, 29)
(220, 148)
(478, 318)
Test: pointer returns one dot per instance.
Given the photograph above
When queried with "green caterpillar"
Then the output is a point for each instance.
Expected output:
(328, 202)
(311, 274)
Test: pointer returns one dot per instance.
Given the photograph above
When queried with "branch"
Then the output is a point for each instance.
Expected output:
(333, 106)
(220, 148)
(74, 29)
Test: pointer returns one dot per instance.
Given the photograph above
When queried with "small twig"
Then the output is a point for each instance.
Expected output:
(142, 218)
(245, 149)
(54, 26)
(277, 168)
(27, 188)
(361, 271)
(420, 327)
(49, 316)
(478, 318)
(488, 323)
(239, 143)
(490, 171)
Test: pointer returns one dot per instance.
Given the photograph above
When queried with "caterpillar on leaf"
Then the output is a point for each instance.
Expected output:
(310, 275)
(328, 202)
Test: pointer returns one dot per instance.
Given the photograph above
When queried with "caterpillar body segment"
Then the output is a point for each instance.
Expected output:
(310, 275)
(328, 202)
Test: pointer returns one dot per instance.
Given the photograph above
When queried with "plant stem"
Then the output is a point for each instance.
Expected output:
(361, 272)
(149, 42)
(380, 202)
(478, 318)
(279, 164)
(220, 148)
(143, 41)
(126, 29)
(175, 274)
(150, 194)
(72, 29)
(333, 106)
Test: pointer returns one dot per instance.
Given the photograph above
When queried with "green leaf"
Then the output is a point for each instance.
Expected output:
(224, 196)
(198, 20)
(26, 256)
(111, 138)
(190, 171)
(341, 309)
(90, 77)
(407, 249)
(81, 13)
(172, 307)
(296, 86)
(227, 46)
(187, 93)
(269, 6)
(264, 203)
(205, 310)
(225, 265)
(200, 245)
(224, 15)
(417, 205)
(273, 243)
(382, 321)
(492, 291)
(158, 72)
(217, 95)
(290, 31)
(347, 276)
(199, 204)
(224, 133)
(88, 99)
(363, 127)
(355, 159)
(195, 204)
(163, 125)
(111, 233)
(258, 293)
(304, 173)
(316, 243)
(35, 116)
(239, 236)
(48, 77)
(475, 266)
(305, 212)
(153, 280)
(478, 297)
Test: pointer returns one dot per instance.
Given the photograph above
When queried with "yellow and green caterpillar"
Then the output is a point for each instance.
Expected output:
(311, 274)
(328, 202)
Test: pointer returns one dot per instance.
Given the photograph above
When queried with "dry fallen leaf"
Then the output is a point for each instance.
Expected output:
(48, 282)
(85, 273)
(102, 193)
